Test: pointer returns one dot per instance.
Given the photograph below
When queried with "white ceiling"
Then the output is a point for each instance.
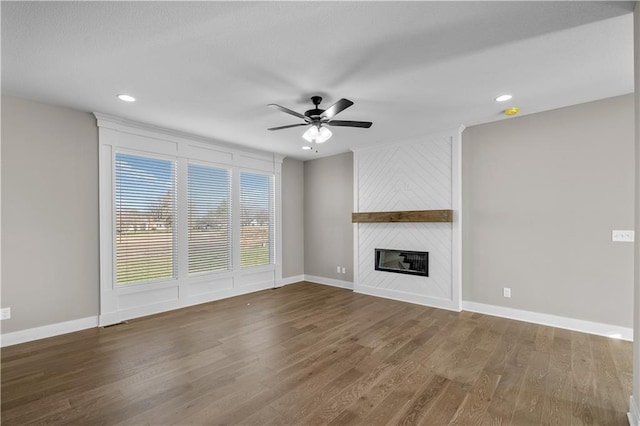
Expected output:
(210, 68)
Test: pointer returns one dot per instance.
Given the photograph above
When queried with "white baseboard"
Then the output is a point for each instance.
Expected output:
(110, 318)
(289, 280)
(618, 332)
(51, 330)
(634, 413)
(329, 281)
(409, 297)
(607, 330)
(36, 333)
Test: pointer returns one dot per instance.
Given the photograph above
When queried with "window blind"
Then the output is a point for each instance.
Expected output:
(145, 218)
(209, 219)
(256, 219)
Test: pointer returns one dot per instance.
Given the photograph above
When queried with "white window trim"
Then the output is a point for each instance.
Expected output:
(118, 303)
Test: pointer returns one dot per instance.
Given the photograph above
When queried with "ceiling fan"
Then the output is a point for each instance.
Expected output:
(318, 118)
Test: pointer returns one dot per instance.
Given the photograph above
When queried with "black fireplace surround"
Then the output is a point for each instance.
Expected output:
(402, 261)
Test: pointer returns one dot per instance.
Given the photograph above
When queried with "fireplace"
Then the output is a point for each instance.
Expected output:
(402, 261)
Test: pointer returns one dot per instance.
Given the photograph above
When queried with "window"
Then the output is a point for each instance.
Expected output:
(145, 218)
(170, 219)
(209, 219)
(256, 219)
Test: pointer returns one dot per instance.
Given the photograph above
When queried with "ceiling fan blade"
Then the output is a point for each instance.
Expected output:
(334, 109)
(343, 123)
(288, 111)
(290, 125)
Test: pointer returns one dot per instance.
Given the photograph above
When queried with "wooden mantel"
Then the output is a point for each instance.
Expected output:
(403, 216)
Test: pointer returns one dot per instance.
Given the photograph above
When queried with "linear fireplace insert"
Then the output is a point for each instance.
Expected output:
(402, 261)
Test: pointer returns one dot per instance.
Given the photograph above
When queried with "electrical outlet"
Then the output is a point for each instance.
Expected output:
(5, 313)
(506, 292)
(344, 270)
(337, 269)
(622, 235)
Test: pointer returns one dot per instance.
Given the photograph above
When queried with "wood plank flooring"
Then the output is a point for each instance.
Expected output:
(309, 354)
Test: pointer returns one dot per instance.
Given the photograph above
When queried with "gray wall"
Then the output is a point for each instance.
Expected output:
(292, 217)
(49, 214)
(328, 204)
(536, 189)
(50, 259)
(541, 194)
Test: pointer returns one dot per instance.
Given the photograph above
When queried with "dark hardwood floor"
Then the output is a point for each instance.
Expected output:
(312, 354)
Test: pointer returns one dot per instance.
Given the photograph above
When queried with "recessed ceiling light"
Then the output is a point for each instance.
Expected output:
(503, 98)
(306, 147)
(126, 98)
(511, 111)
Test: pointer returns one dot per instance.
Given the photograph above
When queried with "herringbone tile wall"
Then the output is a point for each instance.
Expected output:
(412, 176)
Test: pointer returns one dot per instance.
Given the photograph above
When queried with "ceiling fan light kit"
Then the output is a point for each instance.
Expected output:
(317, 134)
(318, 118)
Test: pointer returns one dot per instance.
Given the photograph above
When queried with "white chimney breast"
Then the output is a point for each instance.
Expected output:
(416, 175)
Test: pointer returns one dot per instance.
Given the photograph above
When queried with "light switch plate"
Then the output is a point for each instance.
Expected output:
(623, 235)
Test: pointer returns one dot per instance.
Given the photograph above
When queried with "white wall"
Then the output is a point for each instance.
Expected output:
(541, 195)
(420, 175)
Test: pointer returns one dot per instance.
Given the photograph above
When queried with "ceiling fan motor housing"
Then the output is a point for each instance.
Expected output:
(315, 113)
